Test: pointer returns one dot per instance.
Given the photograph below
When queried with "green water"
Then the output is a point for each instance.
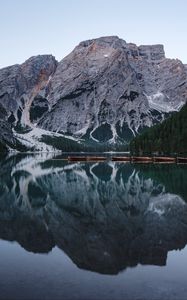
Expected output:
(102, 230)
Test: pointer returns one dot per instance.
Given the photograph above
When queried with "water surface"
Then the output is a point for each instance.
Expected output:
(103, 230)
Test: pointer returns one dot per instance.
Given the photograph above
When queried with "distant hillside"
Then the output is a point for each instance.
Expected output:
(165, 138)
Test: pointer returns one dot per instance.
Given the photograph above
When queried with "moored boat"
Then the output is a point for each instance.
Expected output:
(164, 159)
(142, 159)
(96, 158)
(182, 160)
(121, 158)
(77, 158)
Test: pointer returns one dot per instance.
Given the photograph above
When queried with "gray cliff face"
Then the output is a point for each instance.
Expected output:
(107, 89)
(20, 84)
(6, 134)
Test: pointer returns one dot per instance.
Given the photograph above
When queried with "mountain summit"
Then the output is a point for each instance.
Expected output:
(105, 90)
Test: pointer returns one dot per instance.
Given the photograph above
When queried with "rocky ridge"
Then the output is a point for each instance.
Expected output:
(6, 135)
(105, 90)
(21, 84)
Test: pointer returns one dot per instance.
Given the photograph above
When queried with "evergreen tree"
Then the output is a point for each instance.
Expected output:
(169, 137)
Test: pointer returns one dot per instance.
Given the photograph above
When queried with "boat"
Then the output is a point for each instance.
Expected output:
(77, 158)
(164, 159)
(182, 160)
(143, 159)
(121, 158)
(96, 158)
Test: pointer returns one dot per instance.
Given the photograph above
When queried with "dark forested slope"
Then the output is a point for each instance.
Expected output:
(167, 137)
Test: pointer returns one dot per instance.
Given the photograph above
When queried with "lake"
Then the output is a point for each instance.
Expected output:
(91, 230)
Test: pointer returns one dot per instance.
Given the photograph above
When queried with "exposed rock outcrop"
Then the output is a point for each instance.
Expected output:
(6, 135)
(105, 90)
(109, 89)
(20, 84)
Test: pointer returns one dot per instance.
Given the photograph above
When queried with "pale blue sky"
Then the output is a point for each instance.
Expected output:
(31, 27)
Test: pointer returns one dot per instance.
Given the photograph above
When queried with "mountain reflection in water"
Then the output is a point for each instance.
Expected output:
(104, 216)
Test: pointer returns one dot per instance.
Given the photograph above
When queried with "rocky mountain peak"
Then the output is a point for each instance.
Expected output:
(152, 53)
(37, 65)
(105, 90)
(20, 84)
(106, 41)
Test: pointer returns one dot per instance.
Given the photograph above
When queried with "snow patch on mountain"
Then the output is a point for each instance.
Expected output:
(159, 102)
(32, 139)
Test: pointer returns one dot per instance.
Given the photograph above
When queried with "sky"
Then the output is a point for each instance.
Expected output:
(55, 27)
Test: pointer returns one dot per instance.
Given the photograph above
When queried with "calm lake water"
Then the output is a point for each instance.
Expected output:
(92, 230)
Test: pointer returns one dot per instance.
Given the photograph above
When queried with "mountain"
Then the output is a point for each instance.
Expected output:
(6, 135)
(21, 85)
(167, 137)
(108, 90)
(105, 91)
